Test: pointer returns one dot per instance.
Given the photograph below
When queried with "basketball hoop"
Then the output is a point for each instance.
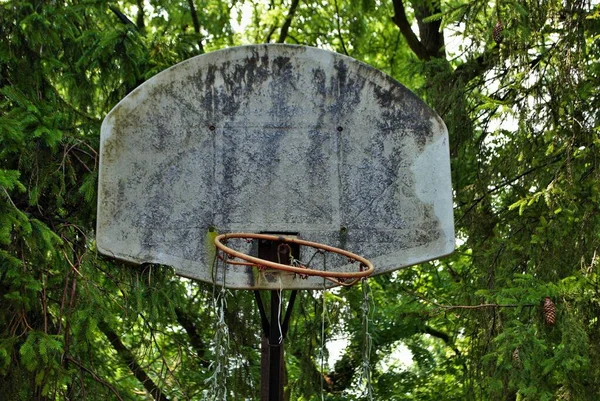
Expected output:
(144, 195)
(346, 278)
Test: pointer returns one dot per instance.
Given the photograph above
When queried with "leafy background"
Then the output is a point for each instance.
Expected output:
(522, 113)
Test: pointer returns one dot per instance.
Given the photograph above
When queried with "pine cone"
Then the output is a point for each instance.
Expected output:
(497, 33)
(516, 357)
(549, 311)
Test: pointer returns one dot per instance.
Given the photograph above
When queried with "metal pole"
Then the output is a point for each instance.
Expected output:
(275, 348)
(264, 348)
(271, 384)
(275, 328)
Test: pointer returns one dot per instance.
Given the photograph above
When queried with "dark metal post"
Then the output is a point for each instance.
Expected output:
(271, 349)
(264, 349)
(275, 349)
(274, 329)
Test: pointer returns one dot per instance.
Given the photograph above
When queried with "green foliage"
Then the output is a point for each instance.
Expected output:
(524, 128)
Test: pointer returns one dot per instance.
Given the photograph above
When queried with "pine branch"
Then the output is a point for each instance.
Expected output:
(475, 67)
(9, 198)
(451, 307)
(131, 362)
(506, 183)
(152, 331)
(196, 342)
(483, 306)
(96, 377)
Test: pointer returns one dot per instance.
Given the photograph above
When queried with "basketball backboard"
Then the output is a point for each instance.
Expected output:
(273, 138)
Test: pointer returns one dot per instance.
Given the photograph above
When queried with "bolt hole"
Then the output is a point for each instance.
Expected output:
(212, 128)
(340, 129)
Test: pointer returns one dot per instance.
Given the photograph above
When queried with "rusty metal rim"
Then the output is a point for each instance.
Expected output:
(254, 261)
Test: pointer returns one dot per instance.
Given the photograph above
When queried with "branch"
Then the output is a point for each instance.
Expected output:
(411, 38)
(96, 377)
(451, 307)
(482, 306)
(140, 15)
(195, 340)
(196, 23)
(475, 67)
(288, 22)
(157, 346)
(430, 33)
(337, 19)
(9, 198)
(505, 183)
(122, 17)
(345, 368)
(129, 359)
(442, 336)
(271, 32)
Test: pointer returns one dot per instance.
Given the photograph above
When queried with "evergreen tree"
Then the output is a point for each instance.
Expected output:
(512, 314)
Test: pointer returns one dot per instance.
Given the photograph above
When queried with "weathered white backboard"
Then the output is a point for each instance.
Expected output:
(273, 138)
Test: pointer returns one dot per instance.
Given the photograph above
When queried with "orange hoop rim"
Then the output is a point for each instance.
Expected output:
(301, 270)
